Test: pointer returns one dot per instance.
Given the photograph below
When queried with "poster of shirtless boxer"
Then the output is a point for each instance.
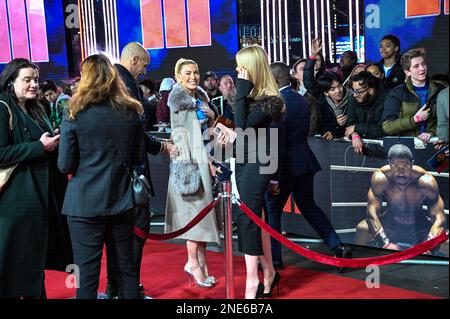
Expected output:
(404, 206)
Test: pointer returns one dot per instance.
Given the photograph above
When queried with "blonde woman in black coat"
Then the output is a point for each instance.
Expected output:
(258, 104)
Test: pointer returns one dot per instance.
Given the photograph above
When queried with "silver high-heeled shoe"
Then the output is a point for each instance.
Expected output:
(201, 284)
(210, 278)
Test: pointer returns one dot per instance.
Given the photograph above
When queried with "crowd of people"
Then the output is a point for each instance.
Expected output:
(72, 150)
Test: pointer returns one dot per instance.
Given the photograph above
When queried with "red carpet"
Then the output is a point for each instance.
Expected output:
(163, 277)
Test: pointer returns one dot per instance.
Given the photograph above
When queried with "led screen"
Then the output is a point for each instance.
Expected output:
(203, 30)
(34, 29)
(417, 23)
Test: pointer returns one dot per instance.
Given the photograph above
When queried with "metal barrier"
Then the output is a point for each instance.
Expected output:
(228, 238)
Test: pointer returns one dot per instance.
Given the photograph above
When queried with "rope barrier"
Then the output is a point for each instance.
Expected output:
(321, 258)
(205, 211)
(341, 262)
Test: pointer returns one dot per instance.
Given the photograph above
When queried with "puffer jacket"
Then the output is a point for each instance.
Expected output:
(402, 103)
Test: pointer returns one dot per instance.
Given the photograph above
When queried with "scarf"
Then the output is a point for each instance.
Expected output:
(341, 107)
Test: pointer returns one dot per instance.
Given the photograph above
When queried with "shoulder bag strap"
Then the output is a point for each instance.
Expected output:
(108, 127)
(10, 115)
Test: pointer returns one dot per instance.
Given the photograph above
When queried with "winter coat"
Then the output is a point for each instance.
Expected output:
(189, 173)
(396, 77)
(367, 117)
(402, 104)
(24, 204)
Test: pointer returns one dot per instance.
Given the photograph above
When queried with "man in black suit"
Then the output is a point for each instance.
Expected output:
(150, 103)
(297, 166)
(134, 60)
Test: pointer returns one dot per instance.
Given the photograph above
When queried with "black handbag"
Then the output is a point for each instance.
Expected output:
(140, 185)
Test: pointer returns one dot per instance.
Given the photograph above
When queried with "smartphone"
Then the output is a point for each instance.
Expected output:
(222, 128)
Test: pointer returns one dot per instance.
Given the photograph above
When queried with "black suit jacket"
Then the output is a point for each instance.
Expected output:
(100, 185)
(129, 80)
(150, 113)
(152, 146)
(296, 157)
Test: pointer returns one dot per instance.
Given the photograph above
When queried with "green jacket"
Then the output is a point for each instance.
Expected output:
(23, 205)
(57, 110)
(402, 103)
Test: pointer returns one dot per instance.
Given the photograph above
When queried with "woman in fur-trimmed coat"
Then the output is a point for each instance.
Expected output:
(189, 189)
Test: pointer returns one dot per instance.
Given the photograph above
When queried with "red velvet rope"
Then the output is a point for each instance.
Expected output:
(205, 211)
(341, 262)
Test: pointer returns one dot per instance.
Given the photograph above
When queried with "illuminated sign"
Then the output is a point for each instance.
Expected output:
(420, 8)
(175, 23)
(27, 35)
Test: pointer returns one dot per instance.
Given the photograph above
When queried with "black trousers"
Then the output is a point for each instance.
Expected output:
(141, 221)
(302, 187)
(251, 185)
(88, 237)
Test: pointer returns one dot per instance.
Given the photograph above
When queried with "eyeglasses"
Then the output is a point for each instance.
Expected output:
(358, 92)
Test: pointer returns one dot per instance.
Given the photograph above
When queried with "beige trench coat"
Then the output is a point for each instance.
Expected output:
(181, 209)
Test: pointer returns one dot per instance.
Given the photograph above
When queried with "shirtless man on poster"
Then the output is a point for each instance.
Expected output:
(406, 188)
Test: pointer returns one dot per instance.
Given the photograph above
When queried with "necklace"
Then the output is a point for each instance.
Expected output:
(389, 63)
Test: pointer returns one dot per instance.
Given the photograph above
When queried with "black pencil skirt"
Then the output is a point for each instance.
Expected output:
(251, 185)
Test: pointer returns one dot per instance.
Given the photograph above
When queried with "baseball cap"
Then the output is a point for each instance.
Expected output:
(209, 74)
